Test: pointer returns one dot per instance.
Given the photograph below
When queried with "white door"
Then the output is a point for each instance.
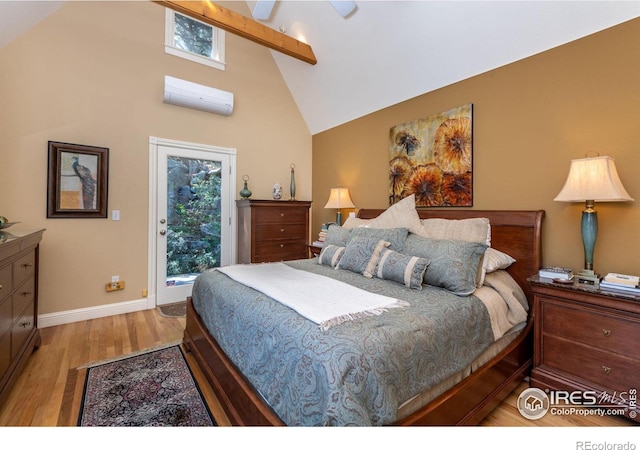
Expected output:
(192, 214)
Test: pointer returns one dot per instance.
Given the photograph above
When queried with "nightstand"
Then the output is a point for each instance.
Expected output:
(314, 250)
(586, 339)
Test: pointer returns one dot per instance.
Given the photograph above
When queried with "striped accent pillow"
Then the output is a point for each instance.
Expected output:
(361, 255)
(330, 255)
(404, 269)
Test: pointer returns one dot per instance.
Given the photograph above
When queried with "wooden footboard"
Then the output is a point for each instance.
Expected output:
(239, 400)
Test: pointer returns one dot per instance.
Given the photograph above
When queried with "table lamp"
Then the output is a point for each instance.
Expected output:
(590, 180)
(339, 198)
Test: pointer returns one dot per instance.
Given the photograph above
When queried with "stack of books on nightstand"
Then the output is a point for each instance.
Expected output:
(321, 236)
(621, 282)
(556, 273)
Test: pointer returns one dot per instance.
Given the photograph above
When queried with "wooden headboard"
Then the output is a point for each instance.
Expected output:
(516, 233)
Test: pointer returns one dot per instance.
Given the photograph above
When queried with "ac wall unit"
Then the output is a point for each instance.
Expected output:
(196, 96)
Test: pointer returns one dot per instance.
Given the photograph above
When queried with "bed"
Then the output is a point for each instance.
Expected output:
(271, 375)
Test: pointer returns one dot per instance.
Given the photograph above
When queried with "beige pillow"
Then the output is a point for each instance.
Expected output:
(400, 215)
(354, 222)
(494, 260)
(471, 230)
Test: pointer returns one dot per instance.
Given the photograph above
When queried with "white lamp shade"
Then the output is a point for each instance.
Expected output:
(593, 179)
(339, 198)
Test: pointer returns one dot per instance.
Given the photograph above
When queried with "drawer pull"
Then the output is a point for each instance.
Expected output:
(606, 332)
(281, 245)
(606, 369)
(25, 324)
(0, 286)
(281, 214)
(26, 265)
(25, 293)
(281, 230)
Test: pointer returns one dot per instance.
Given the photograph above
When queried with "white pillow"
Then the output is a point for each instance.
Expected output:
(400, 215)
(494, 260)
(355, 222)
(477, 229)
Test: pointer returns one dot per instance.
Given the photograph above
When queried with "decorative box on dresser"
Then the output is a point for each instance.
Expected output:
(586, 339)
(272, 230)
(19, 334)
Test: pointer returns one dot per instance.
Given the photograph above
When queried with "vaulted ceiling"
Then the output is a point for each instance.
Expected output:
(386, 52)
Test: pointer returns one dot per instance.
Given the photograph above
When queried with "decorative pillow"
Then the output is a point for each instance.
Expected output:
(394, 236)
(353, 222)
(330, 255)
(454, 264)
(408, 270)
(473, 230)
(362, 255)
(336, 235)
(494, 260)
(400, 215)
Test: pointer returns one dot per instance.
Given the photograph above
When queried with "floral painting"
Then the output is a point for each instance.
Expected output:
(432, 158)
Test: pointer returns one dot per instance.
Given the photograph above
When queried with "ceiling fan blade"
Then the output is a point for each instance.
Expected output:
(344, 8)
(263, 9)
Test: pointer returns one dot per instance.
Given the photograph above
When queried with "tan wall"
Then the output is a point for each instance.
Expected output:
(93, 73)
(530, 119)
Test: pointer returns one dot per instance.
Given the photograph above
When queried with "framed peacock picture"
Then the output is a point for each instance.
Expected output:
(432, 158)
(77, 181)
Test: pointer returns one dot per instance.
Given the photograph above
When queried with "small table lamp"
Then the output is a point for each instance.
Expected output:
(339, 198)
(590, 180)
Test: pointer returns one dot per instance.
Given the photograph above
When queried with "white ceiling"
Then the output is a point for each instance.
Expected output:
(16, 17)
(389, 51)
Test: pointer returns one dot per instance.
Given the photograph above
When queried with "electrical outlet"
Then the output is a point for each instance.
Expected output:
(114, 286)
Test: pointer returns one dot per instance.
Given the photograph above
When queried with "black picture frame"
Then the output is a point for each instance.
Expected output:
(77, 181)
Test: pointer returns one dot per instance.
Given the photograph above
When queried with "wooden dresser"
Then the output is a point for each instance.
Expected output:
(19, 334)
(272, 230)
(586, 340)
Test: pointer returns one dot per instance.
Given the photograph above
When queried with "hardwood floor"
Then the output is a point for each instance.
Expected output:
(41, 395)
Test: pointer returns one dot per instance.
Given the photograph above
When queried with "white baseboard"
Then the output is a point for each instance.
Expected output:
(94, 312)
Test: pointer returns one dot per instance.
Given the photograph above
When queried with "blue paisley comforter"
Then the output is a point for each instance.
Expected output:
(356, 373)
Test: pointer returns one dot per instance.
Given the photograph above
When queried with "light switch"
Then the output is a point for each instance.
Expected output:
(115, 214)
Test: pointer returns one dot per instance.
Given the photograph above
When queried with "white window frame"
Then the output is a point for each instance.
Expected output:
(217, 59)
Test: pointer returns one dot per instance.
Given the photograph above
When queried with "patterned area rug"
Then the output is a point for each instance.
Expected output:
(149, 389)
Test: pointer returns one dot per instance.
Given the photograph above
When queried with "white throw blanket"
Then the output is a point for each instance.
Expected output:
(323, 300)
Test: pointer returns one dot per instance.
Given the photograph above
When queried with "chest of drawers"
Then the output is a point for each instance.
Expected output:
(586, 340)
(272, 230)
(19, 334)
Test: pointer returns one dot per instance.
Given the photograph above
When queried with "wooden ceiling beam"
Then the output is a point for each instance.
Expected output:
(235, 23)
